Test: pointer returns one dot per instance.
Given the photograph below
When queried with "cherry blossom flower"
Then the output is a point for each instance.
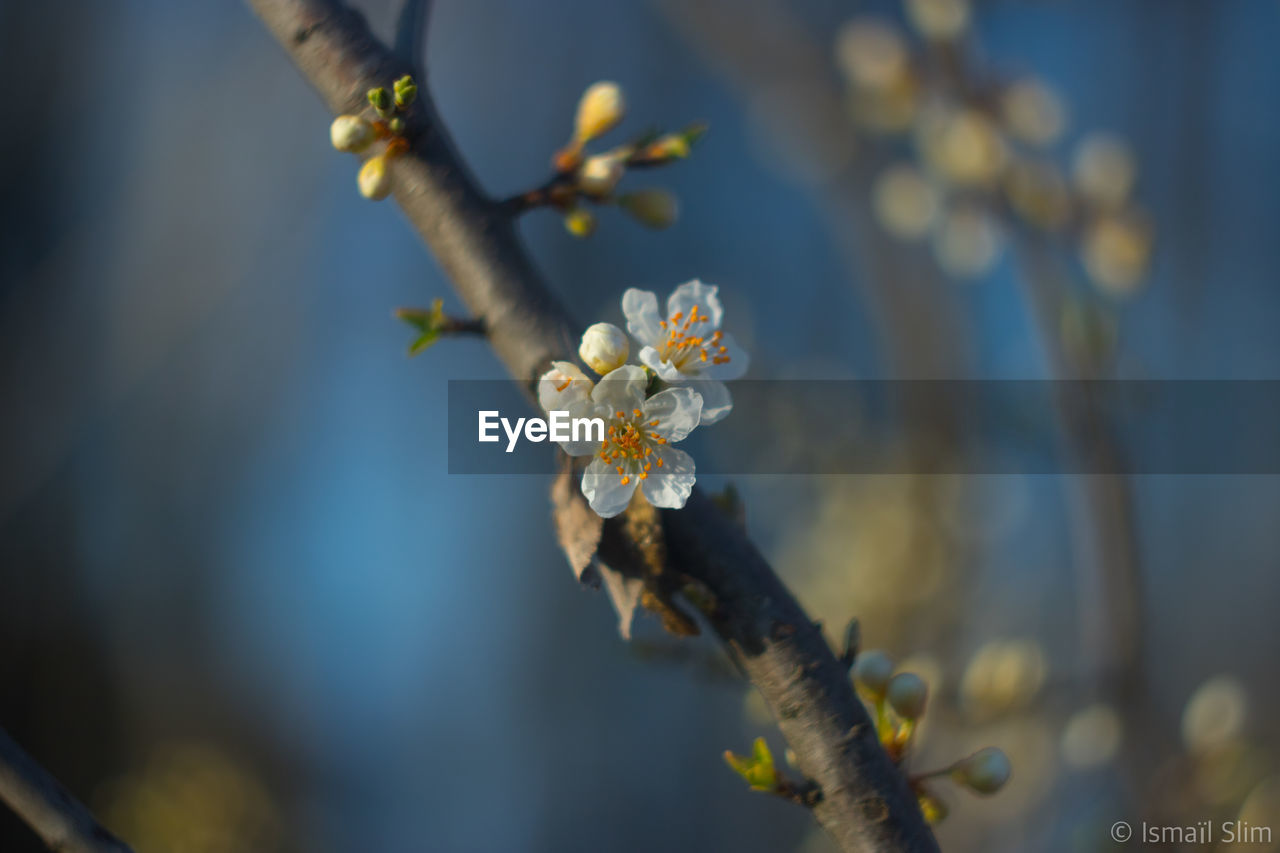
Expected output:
(562, 386)
(637, 448)
(687, 348)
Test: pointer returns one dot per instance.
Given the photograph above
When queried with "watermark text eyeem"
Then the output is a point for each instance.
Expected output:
(558, 427)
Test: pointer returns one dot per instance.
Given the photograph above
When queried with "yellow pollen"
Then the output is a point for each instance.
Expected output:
(567, 382)
(659, 461)
(636, 413)
(625, 480)
(620, 415)
(643, 476)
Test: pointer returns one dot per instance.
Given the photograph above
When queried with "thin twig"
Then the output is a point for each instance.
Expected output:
(866, 804)
(47, 807)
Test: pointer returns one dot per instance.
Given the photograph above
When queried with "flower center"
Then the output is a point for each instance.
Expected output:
(687, 340)
(629, 444)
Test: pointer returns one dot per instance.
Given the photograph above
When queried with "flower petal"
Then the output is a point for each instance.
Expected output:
(716, 401)
(668, 487)
(676, 411)
(622, 388)
(588, 440)
(691, 293)
(666, 370)
(734, 367)
(563, 384)
(605, 492)
(643, 320)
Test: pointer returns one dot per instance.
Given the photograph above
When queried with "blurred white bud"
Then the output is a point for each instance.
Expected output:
(986, 771)
(654, 208)
(967, 243)
(1033, 112)
(1091, 737)
(872, 671)
(1117, 251)
(961, 146)
(1103, 170)
(1003, 675)
(601, 173)
(1215, 713)
(351, 133)
(905, 202)
(871, 53)
(600, 109)
(375, 179)
(604, 347)
(907, 693)
(940, 20)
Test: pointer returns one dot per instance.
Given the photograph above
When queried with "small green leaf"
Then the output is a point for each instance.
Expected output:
(428, 321)
(757, 769)
(694, 132)
(424, 340)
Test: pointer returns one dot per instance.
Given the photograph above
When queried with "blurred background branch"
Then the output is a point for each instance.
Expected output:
(47, 807)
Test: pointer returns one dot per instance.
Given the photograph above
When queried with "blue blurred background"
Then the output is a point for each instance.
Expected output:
(244, 607)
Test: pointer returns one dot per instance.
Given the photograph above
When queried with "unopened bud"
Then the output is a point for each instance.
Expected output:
(907, 693)
(406, 90)
(986, 771)
(380, 100)
(872, 671)
(599, 111)
(375, 179)
(934, 810)
(580, 222)
(600, 174)
(604, 348)
(654, 208)
(351, 133)
(941, 20)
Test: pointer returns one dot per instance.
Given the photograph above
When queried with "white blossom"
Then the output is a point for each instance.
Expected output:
(687, 348)
(637, 448)
(562, 386)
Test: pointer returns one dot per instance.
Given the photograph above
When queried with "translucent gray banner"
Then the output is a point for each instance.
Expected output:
(934, 427)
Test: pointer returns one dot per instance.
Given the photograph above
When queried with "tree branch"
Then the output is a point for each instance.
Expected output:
(866, 802)
(48, 808)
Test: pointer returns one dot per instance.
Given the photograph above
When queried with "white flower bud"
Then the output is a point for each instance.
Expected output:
(351, 133)
(941, 20)
(654, 208)
(872, 671)
(375, 179)
(604, 348)
(600, 174)
(986, 771)
(906, 694)
(599, 111)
